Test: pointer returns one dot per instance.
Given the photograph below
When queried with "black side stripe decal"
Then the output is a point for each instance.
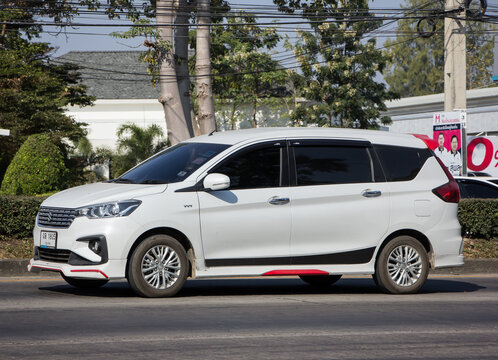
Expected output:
(362, 256)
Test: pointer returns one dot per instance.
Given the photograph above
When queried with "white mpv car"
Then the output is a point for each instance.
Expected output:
(312, 202)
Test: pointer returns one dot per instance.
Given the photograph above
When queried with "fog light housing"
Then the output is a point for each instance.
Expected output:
(95, 246)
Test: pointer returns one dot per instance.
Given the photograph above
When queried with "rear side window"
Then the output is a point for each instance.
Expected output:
(401, 163)
(317, 165)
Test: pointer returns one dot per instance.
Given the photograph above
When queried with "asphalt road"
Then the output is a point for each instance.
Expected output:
(452, 318)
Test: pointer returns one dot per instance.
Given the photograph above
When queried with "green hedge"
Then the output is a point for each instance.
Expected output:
(37, 168)
(18, 214)
(479, 218)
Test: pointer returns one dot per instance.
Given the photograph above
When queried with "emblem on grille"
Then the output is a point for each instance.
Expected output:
(49, 216)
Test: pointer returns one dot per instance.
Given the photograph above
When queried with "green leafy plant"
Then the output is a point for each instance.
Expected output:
(18, 215)
(135, 144)
(479, 218)
(37, 168)
(416, 63)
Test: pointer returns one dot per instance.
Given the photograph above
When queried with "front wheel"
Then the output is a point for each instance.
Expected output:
(402, 266)
(320, 280)
(158, 267)
(84, 283)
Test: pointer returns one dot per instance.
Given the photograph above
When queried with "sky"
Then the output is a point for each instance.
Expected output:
(83, 42)
(78, 39)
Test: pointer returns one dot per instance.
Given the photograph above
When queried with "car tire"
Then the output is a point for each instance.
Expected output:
(402, 266)
(320, 280)
(158, 267)
(85, 283)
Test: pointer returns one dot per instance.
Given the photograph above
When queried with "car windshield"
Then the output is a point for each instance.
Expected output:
(173, 164)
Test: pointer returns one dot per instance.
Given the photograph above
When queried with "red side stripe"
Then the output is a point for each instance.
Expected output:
(295, 272)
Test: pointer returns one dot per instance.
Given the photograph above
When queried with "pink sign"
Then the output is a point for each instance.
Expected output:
(447, 132)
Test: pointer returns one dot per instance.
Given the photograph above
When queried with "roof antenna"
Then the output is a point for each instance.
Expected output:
(212, 132)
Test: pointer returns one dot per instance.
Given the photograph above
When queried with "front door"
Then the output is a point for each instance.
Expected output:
(249, 223)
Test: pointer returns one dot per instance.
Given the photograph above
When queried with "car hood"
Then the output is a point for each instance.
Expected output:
(98, 193)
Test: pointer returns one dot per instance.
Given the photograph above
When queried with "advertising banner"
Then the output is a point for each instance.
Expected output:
(482, 154)
(447, 132)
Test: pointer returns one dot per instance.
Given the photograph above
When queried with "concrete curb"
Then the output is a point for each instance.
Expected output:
(18, 267)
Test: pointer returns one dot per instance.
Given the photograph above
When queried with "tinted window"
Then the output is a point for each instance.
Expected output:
(477, 190)
(317, 165)
(173, 164)
(252, 169)
(401, 163)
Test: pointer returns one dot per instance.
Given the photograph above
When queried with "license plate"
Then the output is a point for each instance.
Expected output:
(48, 239)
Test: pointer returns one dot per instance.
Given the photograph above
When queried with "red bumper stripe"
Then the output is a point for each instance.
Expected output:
(295, 272)
(90, 270)
(47, 268)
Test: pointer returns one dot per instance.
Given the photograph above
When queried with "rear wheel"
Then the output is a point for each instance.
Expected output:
(320, 280)
(402, 266)
(85, 283)
(158, 267)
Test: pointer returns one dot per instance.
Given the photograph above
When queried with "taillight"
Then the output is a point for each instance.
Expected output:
(448, 192)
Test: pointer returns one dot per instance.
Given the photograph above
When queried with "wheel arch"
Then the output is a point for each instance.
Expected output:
(178, 235)
(414, 234)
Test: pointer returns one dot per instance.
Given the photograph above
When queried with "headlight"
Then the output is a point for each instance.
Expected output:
(107, 210)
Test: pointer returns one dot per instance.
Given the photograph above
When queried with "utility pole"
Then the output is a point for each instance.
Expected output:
(455, 66)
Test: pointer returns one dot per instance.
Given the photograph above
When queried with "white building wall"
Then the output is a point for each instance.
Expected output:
(414, 114)
(409, 115)
(106, 116)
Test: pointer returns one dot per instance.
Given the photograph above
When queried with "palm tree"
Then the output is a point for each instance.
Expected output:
(135, 144)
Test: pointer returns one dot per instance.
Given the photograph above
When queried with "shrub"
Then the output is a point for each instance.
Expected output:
(479, 218)
(18, 215)
(37, 168)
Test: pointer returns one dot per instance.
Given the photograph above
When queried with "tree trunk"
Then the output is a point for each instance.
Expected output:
(181, 52)
(205, 103)
(170, 95)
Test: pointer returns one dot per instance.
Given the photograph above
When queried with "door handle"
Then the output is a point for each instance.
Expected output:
(278, 200)
(371, 193)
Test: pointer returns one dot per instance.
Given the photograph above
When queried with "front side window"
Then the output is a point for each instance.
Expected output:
(317, 165)
(174, 164)
(258, 168)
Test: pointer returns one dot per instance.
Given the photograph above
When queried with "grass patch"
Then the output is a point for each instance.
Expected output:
(13, 248)
(480, 248)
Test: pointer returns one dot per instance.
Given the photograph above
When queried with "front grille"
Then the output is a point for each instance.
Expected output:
(56, 217)
(54, 255)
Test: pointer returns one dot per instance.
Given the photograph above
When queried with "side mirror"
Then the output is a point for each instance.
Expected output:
(216, 182)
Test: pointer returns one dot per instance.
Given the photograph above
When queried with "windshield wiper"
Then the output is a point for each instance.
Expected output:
(151, 181)
(123, 180)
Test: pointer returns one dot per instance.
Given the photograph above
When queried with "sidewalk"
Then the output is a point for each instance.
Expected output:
(18, 267)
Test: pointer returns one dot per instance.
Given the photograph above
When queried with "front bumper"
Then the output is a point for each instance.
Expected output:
(113, 269)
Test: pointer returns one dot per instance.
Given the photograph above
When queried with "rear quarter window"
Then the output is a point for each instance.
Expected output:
(401, 163)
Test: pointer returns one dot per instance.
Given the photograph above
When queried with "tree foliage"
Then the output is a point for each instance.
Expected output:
(37, 168)
(338, 65)
(416, 65)
(249, 76)
(34, 90)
